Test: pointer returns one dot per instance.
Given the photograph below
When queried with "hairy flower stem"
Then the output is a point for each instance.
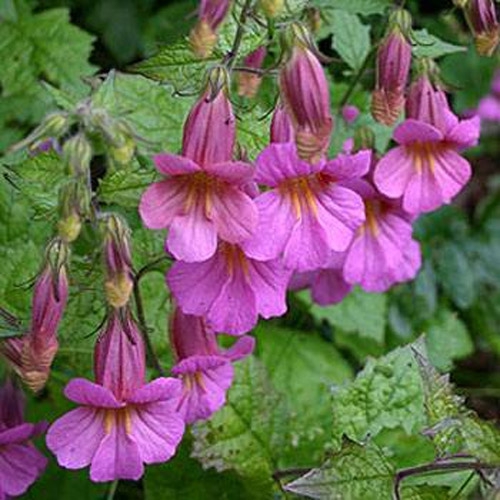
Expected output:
(112, 490)
(230, 58)
(141, 317)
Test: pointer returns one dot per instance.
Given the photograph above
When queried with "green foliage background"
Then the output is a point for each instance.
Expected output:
(354, 392)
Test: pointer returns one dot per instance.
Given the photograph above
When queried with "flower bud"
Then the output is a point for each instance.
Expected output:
(350, 114)
(364, 138)
(306, 96)
(393, 69)
(210, 129)
(118, 262)
(122, 144)
(74, 204)
(482, 18)
(281, 126)
(249, 83)
(272, 8)
(119, 355)
(78, 153)
(203, 36)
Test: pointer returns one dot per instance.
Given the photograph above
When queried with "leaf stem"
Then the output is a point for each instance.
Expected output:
(230, 58)
(112, 490)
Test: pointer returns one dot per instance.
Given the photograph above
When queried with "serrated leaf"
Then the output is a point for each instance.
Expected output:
(355, 472)
(253, 131)
(447, 340)
(386, 394)
(360, 313)
(351, 38)
(248, 433)
(428, 45)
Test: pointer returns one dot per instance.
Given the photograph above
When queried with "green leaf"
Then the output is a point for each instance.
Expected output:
(248, 433)
(354, 472)
(253, 131)
(447, 340)
(428, 45)
(351, 38)
(360, 313)
(363, 7)
(386, 394)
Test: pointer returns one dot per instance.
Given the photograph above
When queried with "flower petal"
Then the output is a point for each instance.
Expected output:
(169, 164)
(18, 434)
(393, 172)
(347, 166)
(329, 287)
(75, 437)
(160, 389)
(84, 392)
(412, 130)
(162, 202)
(466, 133)
(243, 347)
(237, 173)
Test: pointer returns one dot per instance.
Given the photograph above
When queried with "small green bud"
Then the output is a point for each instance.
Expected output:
(78, 153)
(272, 8)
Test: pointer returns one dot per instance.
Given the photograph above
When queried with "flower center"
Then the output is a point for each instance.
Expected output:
(117, 417)
(200, 191)
(301, 192)
(235, 259)
(424, 155)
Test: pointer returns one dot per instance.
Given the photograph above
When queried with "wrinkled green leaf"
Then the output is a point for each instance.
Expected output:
(428, 45)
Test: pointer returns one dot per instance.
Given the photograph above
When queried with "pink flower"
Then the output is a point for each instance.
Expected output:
(350, 114)
(282, 126)
(383, 252)
(203, 194)
(122, 422)
(393, 69)
(230, 289)
(248, 82)
(205, 369)
(306, 95)
(307, 213)
(426, 168)
(31, 356)
(20, 462)
(482, 18)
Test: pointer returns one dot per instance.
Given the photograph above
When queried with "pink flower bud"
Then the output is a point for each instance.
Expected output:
(350, 114)
(249, 83)
(119, 356)
(482, 18)
(306, 95)
(203, 36)
(393, 68)
(281, 126)
(210, 129)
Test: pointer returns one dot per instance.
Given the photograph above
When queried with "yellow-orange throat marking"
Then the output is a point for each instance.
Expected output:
(120, 416)
(301, 191)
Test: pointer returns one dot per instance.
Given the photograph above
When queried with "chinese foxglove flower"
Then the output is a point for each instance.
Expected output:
(483, 20)
(20, 462)
(122, 422)
(202, 196)
(230, 289)
(306, 95)
(307, 213)
(426, 169)
(205, 369)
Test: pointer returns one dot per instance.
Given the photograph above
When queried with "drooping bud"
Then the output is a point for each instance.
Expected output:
(482, 18)
(122, 143)
(306, 95)
(118, 262)
(272, 8)
(281, 126)
(248, 82)
(210, 128)
(350, 114)
(119, 355)
(393, 69)
(203, 36)
(77, 152)
(74, 205)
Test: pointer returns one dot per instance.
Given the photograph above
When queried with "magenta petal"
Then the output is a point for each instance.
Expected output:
(489, 109)
(452, 173)
(195, 286)
(416, 131)
(18, 434)
(340, 212)
(169, 164)
(279, 162)
(347, 166)
(75, 437)
(117, 457)
(207, 379)
(276, 220)
(393, 172)
(160, 389)
(192, 237)
(237, 173)
(20, 466)
(329, 287)
(234, 214)
(466, 133)
(412, 261)
(242, 348)
(84, 392)
(157, 428)
(300, 281)
(162, 202)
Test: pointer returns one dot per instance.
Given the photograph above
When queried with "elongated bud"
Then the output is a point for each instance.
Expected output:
(393, 69)
(281, 126)
(203, 36)
(122, 143)
(210, 128)
(272, 8)
(249, 83)
(306, 96)
(483, 21)
(74, 205)
(118, 261)
(78, 153)
(119, 355)
(12, 402)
